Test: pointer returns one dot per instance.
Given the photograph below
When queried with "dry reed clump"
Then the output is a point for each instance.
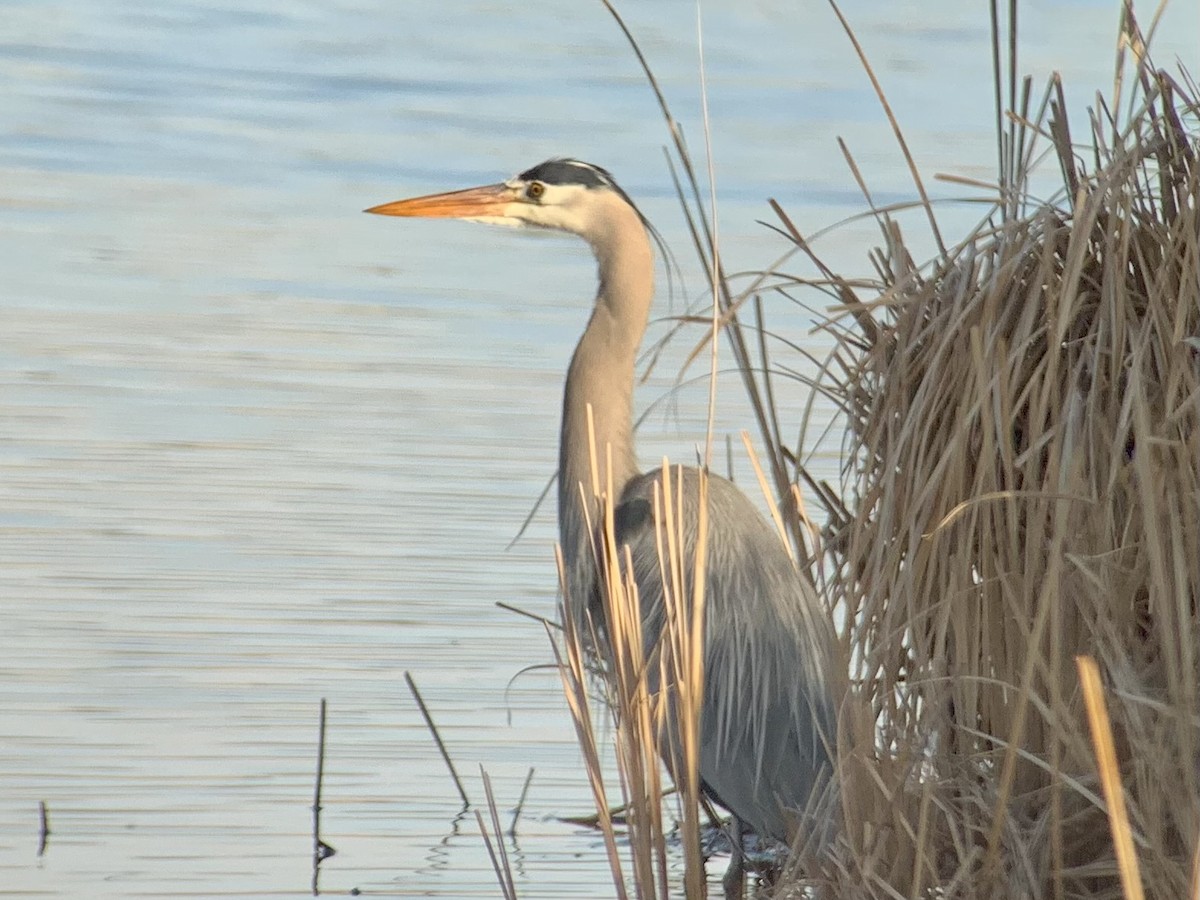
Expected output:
(1024, 430)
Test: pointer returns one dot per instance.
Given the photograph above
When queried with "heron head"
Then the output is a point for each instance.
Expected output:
(562, 194)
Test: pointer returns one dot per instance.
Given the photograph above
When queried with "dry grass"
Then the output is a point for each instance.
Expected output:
(1022, 487)
(653, 693)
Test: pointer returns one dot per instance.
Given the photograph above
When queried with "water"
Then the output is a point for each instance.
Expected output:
(260, 449)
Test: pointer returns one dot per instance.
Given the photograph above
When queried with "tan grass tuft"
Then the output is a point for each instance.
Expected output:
(1024, 487)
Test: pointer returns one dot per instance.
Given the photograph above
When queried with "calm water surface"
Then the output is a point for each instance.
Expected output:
(260, 449)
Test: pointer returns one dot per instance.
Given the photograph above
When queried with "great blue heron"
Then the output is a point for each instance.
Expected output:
(767, 719)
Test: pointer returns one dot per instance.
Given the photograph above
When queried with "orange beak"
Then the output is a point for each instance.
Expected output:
(489, 200)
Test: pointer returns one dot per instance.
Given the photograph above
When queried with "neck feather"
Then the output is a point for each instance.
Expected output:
(601, 376)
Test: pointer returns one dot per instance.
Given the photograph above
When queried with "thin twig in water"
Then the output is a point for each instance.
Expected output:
(412, 686)
(43, 827)
(321, 850)
(498, 852)
(512, 828)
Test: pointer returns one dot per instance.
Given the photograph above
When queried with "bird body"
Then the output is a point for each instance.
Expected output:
(767, 728)
(765, 732)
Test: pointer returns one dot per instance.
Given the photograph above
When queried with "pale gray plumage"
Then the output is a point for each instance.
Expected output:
(768, 721)
(767, 713)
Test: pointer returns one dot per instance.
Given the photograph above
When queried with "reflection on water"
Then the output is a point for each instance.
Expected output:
(259, 449)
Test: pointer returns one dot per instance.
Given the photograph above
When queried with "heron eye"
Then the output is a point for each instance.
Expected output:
(535, 191)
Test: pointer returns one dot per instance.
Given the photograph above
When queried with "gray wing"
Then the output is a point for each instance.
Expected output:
(767, 727)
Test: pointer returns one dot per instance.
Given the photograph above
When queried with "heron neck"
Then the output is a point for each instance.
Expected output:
(601, 376)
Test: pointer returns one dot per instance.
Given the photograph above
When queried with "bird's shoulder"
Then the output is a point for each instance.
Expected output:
(755, 591)
(729, 509)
